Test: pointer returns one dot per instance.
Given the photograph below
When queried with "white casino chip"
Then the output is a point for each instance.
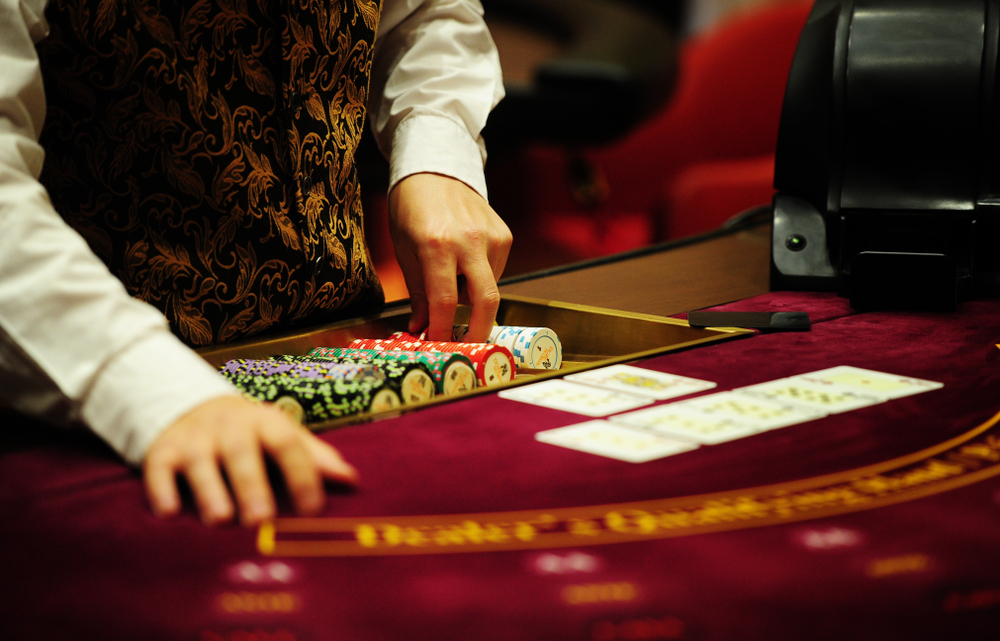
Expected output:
(505, 336)
(538, 348)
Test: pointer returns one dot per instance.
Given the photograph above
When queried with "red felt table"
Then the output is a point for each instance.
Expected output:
(880, 523)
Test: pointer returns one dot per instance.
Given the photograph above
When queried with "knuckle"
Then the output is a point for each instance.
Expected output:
(237, 445)
(283, 438)
(444, 302)
(491, 299)
(305, 481)
(269, 413)
(194, 449)
(164, 455)
(439, 242)
(474, 236)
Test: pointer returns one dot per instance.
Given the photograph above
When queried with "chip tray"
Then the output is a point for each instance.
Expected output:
(591, 337)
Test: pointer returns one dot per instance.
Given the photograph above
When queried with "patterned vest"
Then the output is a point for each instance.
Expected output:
(205, 150)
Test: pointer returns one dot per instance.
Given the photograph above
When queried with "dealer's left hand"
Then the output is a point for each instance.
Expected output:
(452, 248)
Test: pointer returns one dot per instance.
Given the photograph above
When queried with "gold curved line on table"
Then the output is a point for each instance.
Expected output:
(974, 456)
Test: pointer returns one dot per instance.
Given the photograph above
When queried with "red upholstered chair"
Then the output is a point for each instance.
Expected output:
(704, 158)
(724, 120)
(706, 194)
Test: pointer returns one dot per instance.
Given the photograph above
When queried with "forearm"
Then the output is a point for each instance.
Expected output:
(436, 78)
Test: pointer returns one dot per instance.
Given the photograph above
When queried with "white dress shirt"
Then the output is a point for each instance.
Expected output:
(74, 346)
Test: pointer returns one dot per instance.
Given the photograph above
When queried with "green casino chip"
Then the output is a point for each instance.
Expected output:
(451, 373)
(319, 399)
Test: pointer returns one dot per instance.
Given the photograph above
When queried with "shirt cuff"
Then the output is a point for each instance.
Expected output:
(145, 388)
(434, 144)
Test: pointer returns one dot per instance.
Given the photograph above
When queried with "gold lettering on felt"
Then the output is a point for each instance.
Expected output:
(599, 593)
(961, 461)
(258, 602)
(468, 532)
(898, 565)
(583, 527)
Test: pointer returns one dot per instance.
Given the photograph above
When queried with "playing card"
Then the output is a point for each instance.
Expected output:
(870, 382)
(573, 397)
(613, 441)
(745, 409)
(642, 382)
(824, 397)
(673, 421)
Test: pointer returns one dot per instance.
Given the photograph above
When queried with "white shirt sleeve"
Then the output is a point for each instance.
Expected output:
(435, 79)
(74, 346)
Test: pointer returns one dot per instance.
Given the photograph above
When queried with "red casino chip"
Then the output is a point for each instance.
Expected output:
(493, 364)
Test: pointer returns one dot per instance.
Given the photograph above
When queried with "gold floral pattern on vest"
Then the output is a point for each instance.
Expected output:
(205, 150)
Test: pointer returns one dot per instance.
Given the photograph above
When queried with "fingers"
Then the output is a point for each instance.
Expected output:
(233, 435)
(499, 250)
(413, 276)
(419, 315)
(244, 466)
(161, 488)
(301, 475)
(331, 464)
(169, 457)
(484, 297)
(443, 231)
(442, 294)
(482, 268)
(210, 493)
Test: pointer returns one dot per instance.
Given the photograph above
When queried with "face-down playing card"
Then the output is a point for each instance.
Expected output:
(641, 381)
(746, 409)
(573, 397)
(824, 397)
(673, 421)
(614, 441)
(870, 382)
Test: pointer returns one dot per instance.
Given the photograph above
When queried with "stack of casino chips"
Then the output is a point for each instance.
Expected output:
(416, 380)
(532, 347)
(299, 368)
(412, 382)
(492, 364)
(313, 391)
(449, 373)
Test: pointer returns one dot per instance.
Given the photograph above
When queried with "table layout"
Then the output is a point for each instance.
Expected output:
(877, 523)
